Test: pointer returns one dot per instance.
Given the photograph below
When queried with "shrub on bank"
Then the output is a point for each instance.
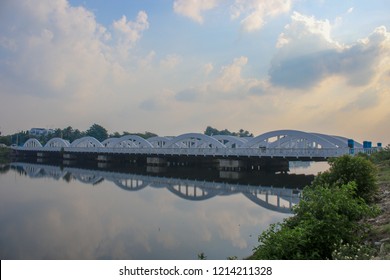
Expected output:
(381, 156)
(324, 218)
(347, 169)
(327, 220)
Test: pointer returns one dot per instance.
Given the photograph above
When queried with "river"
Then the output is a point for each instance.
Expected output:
(50, 211)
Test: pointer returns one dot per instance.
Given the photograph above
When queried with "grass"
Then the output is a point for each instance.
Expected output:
(384, 173)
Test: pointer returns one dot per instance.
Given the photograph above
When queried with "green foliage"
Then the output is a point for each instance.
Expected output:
(323, 218)
(97, 131)
(202, 256)
(351, 169)
(145, 135)
(353, 252)
(213, 131)
(381, 156)
(6, 140)
(4, 154)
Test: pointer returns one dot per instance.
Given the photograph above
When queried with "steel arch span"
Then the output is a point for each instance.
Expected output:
(231, 141)
(109, 141)
(86, 142)
(194, 140)
(32, 143)
(130, 141)
(290, 139)
(57, 143)
(159, 141)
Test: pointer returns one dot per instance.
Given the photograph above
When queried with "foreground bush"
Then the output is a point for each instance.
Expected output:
(347, 169)
(324, 219)
(327, 221)
(381, 156)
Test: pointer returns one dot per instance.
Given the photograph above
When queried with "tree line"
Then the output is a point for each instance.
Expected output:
(99, 132)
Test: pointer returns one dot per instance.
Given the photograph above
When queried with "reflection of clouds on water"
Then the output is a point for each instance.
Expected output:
(48, 219)
(306, 167)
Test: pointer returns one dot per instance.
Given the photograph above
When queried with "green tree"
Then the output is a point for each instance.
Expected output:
(213, 131)
(324, 219)
(97, 131)
(347, 169)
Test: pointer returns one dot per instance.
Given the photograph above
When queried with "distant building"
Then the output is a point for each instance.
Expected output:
(40, 131)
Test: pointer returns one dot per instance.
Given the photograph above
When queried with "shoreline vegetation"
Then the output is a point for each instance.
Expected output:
(343, 215)
(5, 153)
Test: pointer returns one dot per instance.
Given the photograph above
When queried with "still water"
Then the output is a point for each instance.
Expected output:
(50, 211)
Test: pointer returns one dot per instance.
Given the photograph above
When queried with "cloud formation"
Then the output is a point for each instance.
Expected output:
(255, 13)
(194, 8)
(308, 54)
(128, 32)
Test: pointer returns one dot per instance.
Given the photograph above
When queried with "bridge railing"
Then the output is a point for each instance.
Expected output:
(220, 152)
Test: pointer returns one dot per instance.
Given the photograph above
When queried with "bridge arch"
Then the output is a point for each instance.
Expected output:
(194, 140)
(193, 193)
(57, 143)
(130, 184)
(108, 142)
(130, 141)
(231, 141)
(32, 143)
(88, 178)
(267, 205)
(283, 137)
(158, 141)
(87, 141)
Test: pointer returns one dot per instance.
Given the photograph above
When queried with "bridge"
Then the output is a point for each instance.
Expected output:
(275, 199)
(290, 144)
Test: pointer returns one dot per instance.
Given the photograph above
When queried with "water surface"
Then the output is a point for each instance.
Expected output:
(72, 212)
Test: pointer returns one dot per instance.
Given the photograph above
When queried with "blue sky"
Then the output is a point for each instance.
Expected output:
(177, 66)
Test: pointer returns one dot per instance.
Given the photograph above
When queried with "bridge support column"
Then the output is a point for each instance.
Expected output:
(231, 164)
(156, 161)
(69, 156)
(104, 158)
(156, 169)
(235, 175)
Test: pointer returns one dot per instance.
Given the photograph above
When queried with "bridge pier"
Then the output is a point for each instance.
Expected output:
(231, 175)
(104, 158)
(156, 161)
(254, 164)
(231, 164)
(69, 156)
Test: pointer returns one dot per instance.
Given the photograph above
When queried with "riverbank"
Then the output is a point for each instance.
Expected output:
(379, 235)
(355, 190)
(5, 154)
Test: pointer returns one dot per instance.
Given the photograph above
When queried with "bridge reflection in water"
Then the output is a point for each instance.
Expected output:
(279, 199)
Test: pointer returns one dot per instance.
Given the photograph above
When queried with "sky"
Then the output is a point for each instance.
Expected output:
(178, 66)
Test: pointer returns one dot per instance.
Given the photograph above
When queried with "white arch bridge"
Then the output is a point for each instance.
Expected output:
(279, 143)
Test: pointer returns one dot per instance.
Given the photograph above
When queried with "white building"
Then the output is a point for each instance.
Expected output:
(40, 131)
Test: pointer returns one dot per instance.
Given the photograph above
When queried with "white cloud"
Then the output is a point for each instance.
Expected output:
(128, 32)
(255, 13)
(170, 61)
(308, 54)
(194, 8)
(230, 76)
(63, 55)
(305, 34)
(208, 68)
(229, 84)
